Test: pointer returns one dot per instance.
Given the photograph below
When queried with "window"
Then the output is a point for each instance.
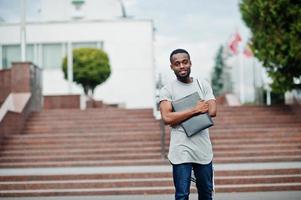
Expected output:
(52, 55)
(30, 53)
(12, 53)
(49, 55)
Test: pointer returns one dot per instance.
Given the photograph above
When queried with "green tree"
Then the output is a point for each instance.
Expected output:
(217, 73)
(91, 67)
(276, 36)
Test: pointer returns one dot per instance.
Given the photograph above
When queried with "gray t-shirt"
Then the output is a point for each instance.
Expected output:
(183, 149)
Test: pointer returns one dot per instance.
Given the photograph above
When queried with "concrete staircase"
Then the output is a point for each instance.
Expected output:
(115, 151)
(256, 134)
(94, 137)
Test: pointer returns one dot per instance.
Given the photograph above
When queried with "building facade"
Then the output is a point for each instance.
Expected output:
(74, 24)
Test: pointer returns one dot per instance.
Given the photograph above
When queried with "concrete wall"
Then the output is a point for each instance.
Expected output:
(5, 84)
(24, 97)
(61, 102)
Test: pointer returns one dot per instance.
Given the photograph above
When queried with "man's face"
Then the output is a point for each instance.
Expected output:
(181, 65)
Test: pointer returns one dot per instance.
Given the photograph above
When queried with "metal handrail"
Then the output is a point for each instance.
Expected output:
(163, 138)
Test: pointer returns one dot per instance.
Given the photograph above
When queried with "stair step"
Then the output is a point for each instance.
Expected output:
(145, 190)
(146, 182)
(70, 145)
(144, 161)
(258, 158)
(81, 163)
(60, 157)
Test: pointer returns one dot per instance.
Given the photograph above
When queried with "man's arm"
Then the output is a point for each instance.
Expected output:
(174, 118)
(212, 107)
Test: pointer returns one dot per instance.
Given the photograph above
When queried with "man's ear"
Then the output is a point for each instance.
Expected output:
(171, 66)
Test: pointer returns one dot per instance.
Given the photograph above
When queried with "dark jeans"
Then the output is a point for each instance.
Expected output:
(204, 180)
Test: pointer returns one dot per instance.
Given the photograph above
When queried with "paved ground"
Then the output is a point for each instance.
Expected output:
(220, 196)
(129, 169)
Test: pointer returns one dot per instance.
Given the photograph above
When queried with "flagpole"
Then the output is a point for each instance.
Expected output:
(69, 66)
(241, 79)
(23, 31)
(233, 47)
(254, 79)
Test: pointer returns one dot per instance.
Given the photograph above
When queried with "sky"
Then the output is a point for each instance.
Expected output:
(199, 26)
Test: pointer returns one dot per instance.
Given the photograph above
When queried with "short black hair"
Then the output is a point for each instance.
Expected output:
(178, 51)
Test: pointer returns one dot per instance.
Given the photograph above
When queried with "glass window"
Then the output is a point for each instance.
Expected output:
(30, 53)
(48, 55)
(52, 56)
(10, 53)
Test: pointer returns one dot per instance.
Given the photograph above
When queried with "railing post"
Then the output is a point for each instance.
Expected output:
(163, 136)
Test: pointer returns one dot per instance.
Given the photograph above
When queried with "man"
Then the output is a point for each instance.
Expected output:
(187, 153)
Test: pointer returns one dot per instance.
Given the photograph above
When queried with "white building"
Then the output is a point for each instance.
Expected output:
(90, 23)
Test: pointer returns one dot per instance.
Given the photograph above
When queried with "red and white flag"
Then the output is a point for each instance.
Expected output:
(234, 42)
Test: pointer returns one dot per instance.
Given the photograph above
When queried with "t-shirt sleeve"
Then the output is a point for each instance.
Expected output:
(208, 93)
(165, 94)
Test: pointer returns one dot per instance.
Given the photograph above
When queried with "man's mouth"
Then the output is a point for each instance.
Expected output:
(183, 72)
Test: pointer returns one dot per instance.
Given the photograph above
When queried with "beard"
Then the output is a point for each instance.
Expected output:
(183, 78)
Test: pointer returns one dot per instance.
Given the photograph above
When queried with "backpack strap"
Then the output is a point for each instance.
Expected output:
(200, 87)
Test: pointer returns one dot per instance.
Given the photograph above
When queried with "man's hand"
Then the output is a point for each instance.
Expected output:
(202, 107)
